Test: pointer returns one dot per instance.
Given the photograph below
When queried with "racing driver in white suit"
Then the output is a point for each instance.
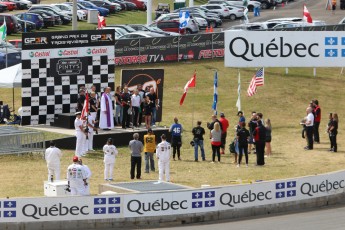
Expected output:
(163, 152)
(76, 176)
(53, 156)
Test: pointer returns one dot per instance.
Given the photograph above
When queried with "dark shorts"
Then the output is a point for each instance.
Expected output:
(268, 139)
(223, 139)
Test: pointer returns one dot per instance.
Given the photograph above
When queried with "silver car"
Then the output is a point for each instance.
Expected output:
(191, 28)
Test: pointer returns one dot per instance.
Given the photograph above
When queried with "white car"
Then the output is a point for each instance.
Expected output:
(191, 28)
(68, 8)
(221, 9)
(251, 4)
(202, 23)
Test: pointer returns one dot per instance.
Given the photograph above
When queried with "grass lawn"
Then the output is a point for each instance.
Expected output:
(283, 99)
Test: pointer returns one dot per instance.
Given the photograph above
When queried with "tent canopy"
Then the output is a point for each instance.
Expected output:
(11, 77)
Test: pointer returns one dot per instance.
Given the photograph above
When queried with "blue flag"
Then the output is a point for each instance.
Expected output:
(184, 18)
(215, 92)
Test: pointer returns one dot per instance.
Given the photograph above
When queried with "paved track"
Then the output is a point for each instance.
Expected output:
(317, 9)
(330, 218)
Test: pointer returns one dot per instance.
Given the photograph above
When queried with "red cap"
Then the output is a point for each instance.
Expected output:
(75, 159)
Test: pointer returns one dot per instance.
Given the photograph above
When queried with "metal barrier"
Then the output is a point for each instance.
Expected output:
(15, 140)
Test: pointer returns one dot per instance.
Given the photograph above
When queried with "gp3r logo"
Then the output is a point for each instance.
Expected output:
(38, 40)
(102, 37)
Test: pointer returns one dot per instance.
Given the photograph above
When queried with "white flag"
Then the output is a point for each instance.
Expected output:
(238, 103)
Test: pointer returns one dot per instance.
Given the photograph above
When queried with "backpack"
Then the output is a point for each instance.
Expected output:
(232, 148)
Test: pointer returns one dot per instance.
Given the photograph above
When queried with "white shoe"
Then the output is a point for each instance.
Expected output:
(154, 126)
(246, 165)
(212, 162)
(238, 166)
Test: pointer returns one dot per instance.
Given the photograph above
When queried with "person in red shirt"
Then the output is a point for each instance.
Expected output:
(225, 125)
(317, 120)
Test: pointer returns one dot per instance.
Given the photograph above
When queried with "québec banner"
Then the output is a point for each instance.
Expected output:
(284, 49)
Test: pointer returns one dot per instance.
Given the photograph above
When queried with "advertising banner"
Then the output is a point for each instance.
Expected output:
(56, 64)
(148, 78)
(284, 49)
(171, 202)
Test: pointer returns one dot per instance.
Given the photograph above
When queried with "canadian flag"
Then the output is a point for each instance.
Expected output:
(101, 22)
(85, 110)
(306, 15)
(190, 84)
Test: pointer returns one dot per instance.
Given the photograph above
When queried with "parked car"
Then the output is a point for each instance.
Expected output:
(125, 27)
(251, 4)
(63, 16)
(8, 45)
(152, 28)
(128, 5)
(112, 7)
(192, 26)
(48, 19)
(81, 14)
(3, 7)
(11, 23)
(102, 11)
(141, 5)
(35, 18)
(212, 22)
(221, 9)
(56, 18)
(199, 9)
(10, 5)
(35, 1)
(79, 7)
(16, 43)
(26, 26)
(248, 26)
(266, 4)
(9, 57)
(22, 4)
(170, 26)
(141, 34)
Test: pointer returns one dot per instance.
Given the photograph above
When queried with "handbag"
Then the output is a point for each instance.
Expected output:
(232, 148)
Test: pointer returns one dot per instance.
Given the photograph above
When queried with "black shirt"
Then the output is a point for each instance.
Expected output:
(153, 98)
(334, 131)
(243, 135)
(210, 127)
(198, 132)
(93, 103)
(118, 98)
(126, 99)
(252, 125)
(80, 102)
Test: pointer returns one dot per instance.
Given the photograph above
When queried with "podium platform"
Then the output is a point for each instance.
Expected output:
(56, 188)
(64, 120)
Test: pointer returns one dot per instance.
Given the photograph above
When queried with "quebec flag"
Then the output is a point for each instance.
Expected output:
(184, 18)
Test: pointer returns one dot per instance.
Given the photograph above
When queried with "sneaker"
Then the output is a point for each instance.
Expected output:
(212, 162)
(246, 165)
(146, 171)
(196, 160)
(235, 162)
(203, 159)
(237, 165)
(179, 159)
(153, 126)
(174, 159)
(110, 179)
(265, 156)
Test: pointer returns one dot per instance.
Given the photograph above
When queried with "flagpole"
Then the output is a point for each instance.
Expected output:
(238, 103)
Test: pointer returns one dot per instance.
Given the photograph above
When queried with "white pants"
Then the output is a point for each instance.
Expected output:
(90, 140)
(53, 170)
(164, 167)
(78, 191)
(108, 171)
(93, 115)
(80, 145)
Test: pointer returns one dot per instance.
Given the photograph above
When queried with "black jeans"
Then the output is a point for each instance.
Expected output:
(135, 162)
(260, 153)
(215, 150)
(310, 130)
(316, 132)
(241, 149)
(135, 116)
(176, 143)
(125, 116)
(333, 139)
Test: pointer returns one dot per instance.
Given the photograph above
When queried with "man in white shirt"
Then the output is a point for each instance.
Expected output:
(53, 156)
(135, 104)
(91, 127)
(80, 134)
(163, 153)
(88, 175)
(76, 176)
(309, 123)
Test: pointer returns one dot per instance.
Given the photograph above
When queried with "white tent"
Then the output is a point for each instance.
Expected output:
(11, 77)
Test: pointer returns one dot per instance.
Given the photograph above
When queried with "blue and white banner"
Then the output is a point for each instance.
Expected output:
(171, 202)
(184, 19)
(284, 49)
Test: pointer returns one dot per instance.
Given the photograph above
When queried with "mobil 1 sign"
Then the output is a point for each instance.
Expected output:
(284, 48)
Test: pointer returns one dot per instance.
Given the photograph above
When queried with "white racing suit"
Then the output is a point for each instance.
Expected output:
(75, 175)
(110, 152)
(163, 152)
(53, 156)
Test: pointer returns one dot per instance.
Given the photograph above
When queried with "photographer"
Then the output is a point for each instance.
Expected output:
(198, 140)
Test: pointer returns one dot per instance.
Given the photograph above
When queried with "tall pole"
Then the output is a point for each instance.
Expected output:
(191, 3)
(74, 16)
(149, 12)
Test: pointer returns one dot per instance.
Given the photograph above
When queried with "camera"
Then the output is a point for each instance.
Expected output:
(68, 189)
(192, 143)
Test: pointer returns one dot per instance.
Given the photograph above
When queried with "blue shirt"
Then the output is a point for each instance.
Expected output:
(242, 119)
(176, 130)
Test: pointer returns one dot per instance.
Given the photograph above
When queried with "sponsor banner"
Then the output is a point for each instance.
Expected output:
(148, 78)
(172, 202)
(36, 54)
(282, 48)
(161, 49)
(67, 39)
(68, 66)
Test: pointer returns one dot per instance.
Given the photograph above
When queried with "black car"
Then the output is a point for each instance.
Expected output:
(3, 8)
(266, 4)
(30, 26)
(64, 18)
(20, 5)
(54, 19)
(110, 7)
(123, 5)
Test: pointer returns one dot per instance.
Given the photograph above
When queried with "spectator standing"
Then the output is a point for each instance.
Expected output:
(154, 103)
(163, 153)
(176, 138)
(90, 132)
(81, 99)
(93, 105)
(149, 149)
(309, 123)
(136, 148)
(210, 126)
(260, 139)
(88, 176)
(241, 119)
(198, 140)
(80, 134)
(110, 153)
(252, 125)
(118, 106)
(268, 127)
(224, 125)
(317, 120)
(333, 131)
(242, 138)
(76, 177)
(334, 6)
(126, 103)
(135, 104)
(216, 135)
(142, 101)
(52, 156)
(147, 112)
(329, 125)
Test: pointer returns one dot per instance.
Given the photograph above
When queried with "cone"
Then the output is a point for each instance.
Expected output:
(206, 30)
(283, 4)
(211, 29)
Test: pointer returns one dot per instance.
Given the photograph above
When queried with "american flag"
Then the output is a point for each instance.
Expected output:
(257, 80)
